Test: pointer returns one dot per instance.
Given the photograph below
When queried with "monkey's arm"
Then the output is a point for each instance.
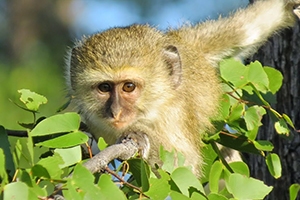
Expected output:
(242, 33)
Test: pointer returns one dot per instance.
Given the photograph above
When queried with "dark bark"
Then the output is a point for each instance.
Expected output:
(283, 53)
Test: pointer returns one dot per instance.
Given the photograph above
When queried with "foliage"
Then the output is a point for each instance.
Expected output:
(36, 165)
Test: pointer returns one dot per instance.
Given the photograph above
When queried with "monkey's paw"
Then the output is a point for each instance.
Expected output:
(140, 138)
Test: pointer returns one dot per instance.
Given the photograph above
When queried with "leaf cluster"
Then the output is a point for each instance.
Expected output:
(37, 166)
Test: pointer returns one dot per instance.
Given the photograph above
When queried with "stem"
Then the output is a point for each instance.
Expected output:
(216, 149)
(125, 182)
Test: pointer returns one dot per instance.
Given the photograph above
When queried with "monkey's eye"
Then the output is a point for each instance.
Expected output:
(104, 87)
(128, 87)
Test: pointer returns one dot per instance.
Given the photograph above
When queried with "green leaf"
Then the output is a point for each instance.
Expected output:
(184, 179)
(294, 189)
(168, 159)
(51, 164)
(214, 196)
(159, 188)
(252, 134)
(24, 153)
(209, 156)
(70, 156)
(67, 140)
(84, 179)
(288, 120)
(71, 192)
(109, 189)
(32, 100)
(259, 95)
(274, 165)
(275, 79)
(253, 116)
(263, 145)
(239, 77)
(225, 105)
(140, 171)
(237, 142)
(40, 172)
(236, 112)
(177, 196)
(237, 181)
(102, 144)
(258, 76)
(240, 168)
(198, 196)
(214, 176)
(57, 124)
(16, 190)
(3, 174)
(281, 127)
(48, 186)
(145, 171)
(5, 146)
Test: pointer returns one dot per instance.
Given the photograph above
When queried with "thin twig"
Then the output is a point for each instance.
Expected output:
(125, 182)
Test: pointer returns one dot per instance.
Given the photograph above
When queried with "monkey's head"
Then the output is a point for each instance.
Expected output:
(122, 76)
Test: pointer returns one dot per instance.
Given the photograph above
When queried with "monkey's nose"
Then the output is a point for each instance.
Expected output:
(117, 114)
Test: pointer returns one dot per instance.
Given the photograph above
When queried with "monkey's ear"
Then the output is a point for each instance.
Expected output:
(73, 66)
(172, 58)
(74, 58)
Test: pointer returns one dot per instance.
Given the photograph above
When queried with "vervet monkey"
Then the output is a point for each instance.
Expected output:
(162, 88)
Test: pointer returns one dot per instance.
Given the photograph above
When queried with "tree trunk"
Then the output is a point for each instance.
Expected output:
(283, 53)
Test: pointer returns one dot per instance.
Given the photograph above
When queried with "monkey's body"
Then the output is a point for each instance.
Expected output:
(163, 88)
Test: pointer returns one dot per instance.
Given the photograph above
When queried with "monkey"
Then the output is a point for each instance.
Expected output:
(162, 87)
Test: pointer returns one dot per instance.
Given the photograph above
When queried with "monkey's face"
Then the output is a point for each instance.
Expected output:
(117, 101)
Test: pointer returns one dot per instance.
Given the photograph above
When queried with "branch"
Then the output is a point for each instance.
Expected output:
(16, 133)
(122, 151)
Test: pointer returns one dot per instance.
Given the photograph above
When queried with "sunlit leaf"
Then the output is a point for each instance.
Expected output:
(66, 140)
(70, 156)
(102, 144)
(237, 181)
(52, 163)
(288, 120)
(16, 190)
(32, 100)
(209, 157)
(214, 196)
(109, 189)
(184, 179)
(274, 165)
(294, 189)
(214, 176)
(198, 196)
(178, 196)
(253, 116)
(257, 76)
(225, 105)
(236, 112)
(167, 158)
(159, 187)
(281, 127)
(240, 168)
(239, 77)
(84, 180)
(275, 79)
(263, 145)
(57, 124)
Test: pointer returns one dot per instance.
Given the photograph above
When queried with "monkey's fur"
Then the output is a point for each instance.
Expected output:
(171, 79)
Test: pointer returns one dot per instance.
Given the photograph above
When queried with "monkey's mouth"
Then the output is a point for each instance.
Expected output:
(119, 124)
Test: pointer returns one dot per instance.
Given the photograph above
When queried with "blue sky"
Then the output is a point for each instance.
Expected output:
(97, 15)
